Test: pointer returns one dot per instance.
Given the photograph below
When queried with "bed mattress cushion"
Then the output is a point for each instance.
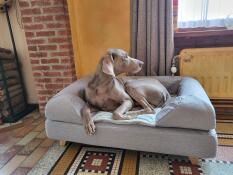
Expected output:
(190, 109)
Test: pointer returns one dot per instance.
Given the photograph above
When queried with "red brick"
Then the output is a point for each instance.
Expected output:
(35, 41)
(26, 19)
(41, 3)
(62, 18)
(59, 2)
(30, 11)
(37, 74)
(54, 54)
(64, 32)
(42, 98)
(43, 18)
(45, 33)
(34, 27)
(23, 4)
(53, 86)
(65, 46)
(38, 54)
(62, 80)
(53, 10)
(39, 85)
(67, 61)
(35, 61)
(52, 74)
(60, 67)
(40, 67)
(29, 34)
(44, 92)
(55, 25)
(58, 40)
(47, 47)
(43, 80)
(32, 48)
(69, 73)
(48, 61)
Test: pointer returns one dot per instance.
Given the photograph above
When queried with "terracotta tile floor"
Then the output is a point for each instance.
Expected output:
(22, 145)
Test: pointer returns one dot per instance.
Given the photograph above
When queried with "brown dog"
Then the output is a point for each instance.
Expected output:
(107, 92)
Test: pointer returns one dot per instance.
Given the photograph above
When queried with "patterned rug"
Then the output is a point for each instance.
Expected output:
(91, 160)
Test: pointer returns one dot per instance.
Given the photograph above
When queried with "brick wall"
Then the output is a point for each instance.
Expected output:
(47, 31)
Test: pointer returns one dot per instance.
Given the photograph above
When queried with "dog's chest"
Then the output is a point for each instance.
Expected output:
(106, 97)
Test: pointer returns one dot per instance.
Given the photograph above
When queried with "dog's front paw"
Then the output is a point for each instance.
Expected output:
(90, 127)
(149, 110)
(117, 116)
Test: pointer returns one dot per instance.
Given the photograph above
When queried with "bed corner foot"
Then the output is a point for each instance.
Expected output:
(62, 142)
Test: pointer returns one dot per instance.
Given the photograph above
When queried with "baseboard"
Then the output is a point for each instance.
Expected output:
(223, 108)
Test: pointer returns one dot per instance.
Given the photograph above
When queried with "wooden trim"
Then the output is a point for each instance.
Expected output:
(203, 33)
(200, 29)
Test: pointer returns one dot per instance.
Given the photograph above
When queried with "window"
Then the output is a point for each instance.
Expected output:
(205, 13)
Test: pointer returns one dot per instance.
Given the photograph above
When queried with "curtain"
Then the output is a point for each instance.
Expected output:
(152, 38)
(204, 13)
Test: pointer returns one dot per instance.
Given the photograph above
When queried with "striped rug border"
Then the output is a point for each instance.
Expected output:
(59, 158)
(65, 153)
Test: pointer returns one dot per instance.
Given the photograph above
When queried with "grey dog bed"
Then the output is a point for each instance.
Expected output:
(185, 125)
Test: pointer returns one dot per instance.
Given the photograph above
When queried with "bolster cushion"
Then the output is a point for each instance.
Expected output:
(67, 104)
(190, 109)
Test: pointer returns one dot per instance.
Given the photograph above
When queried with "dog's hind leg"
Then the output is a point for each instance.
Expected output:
(140, 99)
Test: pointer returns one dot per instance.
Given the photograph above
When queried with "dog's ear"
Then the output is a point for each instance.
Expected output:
(107, 65)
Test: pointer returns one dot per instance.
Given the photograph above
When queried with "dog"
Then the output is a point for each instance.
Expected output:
(105, 91)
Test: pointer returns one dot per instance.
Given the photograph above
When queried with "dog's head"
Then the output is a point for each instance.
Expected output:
(117, 61)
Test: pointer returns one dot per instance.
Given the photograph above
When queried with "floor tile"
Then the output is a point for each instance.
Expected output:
(34, 157)
(23, 131)
(38, 121)
(42, 135)
(12, 165)
(10, 127)
(5, 157)
(26, 139)
(10, 142)
(21, 171)
(4, 137)
(28, 121)
(30, 147)
(40, 127)
(47, 142)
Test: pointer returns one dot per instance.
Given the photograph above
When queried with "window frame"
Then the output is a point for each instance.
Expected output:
(198, 31)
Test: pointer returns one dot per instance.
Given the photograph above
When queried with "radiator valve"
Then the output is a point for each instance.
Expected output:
(173, 70)
(173, 67)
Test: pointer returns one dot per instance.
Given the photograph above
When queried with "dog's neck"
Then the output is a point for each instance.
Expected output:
(102, 79)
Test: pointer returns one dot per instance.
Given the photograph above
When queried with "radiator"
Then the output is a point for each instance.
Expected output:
(212, 67)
